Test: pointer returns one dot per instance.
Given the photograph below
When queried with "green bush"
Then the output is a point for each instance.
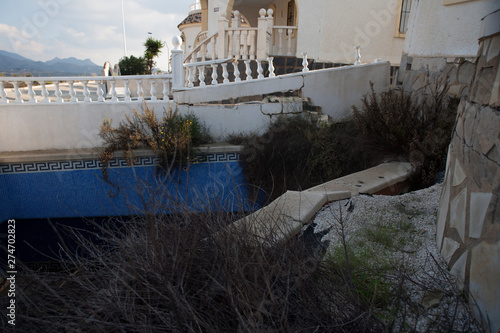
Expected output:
(416, 126)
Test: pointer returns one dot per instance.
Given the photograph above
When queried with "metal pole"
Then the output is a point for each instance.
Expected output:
(123, 26)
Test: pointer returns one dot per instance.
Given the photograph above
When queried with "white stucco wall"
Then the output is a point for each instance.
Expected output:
(330, 30)
(436, 30)
(190, 32)
(335, 90)
(27, 127)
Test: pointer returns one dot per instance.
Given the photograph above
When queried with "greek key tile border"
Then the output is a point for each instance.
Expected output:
(51, 166)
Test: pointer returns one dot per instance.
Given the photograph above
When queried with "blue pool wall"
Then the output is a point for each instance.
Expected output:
(75, 188)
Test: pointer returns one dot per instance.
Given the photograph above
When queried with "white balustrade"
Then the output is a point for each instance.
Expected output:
(90, 88)
(72, 93)
(284, 38)
(153, 90)
(45, 93)
(237, 77)
(127, 91)
(18, 93)
(225, 74)
(357, 56)
(140, 92)
(114, 97)
(260, 71)
(100, 91)
(214, 74)
(248, 70)
(58, 93)
(304, 62)
(165, 89)
(86, 92)
(271, 66)
(31, 93)
(3, 95)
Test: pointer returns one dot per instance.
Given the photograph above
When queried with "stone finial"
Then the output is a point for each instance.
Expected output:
(270, 12)
(177, 42)
(262, 13)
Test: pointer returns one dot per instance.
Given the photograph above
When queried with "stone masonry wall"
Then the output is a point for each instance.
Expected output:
(468, 230)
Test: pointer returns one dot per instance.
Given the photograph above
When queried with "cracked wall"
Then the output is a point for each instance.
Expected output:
(468, 230)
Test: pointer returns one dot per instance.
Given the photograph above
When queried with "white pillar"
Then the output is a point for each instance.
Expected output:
(177, 64)
(221, 39)
(262, 39)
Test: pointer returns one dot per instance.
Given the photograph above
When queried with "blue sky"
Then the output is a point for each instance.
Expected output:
(45, 29)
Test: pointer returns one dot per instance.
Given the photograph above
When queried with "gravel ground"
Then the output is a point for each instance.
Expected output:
(400, 232)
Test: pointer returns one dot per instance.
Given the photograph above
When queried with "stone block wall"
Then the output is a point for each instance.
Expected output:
(468, 230)
(459, 72)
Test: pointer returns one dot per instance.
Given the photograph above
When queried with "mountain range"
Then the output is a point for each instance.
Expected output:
(13, 63)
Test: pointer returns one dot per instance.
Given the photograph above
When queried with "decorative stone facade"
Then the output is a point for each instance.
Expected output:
(468, 230)
(459, 71)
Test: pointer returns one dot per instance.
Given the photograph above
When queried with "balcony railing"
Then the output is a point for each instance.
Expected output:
(85, 89)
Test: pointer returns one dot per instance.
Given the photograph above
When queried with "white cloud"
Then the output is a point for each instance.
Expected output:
(13, 40)
(89, 29)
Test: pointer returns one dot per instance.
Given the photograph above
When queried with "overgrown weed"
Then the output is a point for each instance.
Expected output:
(414, 125)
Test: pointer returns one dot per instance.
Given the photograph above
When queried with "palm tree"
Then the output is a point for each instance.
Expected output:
(153, 49)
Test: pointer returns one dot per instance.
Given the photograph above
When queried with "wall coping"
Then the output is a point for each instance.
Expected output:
(93, 153)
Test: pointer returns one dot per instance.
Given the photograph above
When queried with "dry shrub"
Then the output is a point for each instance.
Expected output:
(172, 138)
(295, 153)
(187, 273)
(416, 126)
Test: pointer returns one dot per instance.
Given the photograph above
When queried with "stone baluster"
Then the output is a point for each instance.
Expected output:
(213, 41)
(237, 77)
(251, 42)
(201, 76)
(187, 73)
(203, 51)
(248, 71)
(100, 91)
(230, 47)
(225, 74)
(140, 92)
(18, 93)
(260, 71)
(304, 62)
(114, 97)
(127, 91)
(244, 43)
(271, 66)
(86, 92)
(214, 74)
(153, 90)
(72, 93)
(45, 93)
(289, 40)
(31, 93)
(191, 76)
(58, 93)
(165, 89)
(237, 44)
(3, 95)
(280, 41)
(357, 56)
